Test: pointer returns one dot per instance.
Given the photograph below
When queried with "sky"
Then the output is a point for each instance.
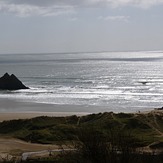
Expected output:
(51, 26)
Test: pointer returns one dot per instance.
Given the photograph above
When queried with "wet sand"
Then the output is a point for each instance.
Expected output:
(12, 109)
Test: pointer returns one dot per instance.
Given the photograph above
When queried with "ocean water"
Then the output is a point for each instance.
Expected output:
(111, 81)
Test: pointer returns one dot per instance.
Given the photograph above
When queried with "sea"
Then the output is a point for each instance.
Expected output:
(109, 81)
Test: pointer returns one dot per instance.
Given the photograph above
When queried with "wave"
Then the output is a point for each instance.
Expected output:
(112, 79)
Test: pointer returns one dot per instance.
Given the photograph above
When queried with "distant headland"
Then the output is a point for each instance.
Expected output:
(11, 82)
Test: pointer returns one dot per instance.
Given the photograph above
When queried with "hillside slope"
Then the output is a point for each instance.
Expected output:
(145, 128)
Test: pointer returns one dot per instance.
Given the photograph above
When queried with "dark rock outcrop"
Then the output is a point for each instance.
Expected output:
(11, 82)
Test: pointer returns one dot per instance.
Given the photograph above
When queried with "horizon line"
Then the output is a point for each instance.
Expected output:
(76, 52)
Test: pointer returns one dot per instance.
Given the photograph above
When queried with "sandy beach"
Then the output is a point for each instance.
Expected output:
(13, 109)
(25, 115)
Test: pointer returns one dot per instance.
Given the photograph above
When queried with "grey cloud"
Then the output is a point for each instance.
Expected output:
(114, 18)
(137, 3)
(58, 7)
(79, 3)
(48, 3)
(27, 8)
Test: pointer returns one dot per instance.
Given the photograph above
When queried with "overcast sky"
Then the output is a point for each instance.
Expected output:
(34, 26)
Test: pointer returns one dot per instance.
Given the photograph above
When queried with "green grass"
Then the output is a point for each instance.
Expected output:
(143, 128)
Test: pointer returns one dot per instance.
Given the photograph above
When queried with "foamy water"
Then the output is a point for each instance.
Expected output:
(109, 80)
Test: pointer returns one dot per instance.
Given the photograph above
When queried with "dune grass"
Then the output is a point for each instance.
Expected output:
(146, 128)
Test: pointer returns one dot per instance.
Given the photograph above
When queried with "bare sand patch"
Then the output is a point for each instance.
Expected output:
(11, 148)
(8, 145)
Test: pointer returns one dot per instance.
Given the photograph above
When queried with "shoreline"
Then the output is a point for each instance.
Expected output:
(19, 106)
(14, 105)
(11, 109)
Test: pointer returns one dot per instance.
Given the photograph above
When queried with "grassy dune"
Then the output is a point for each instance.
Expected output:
(144, 128)
(96, 138)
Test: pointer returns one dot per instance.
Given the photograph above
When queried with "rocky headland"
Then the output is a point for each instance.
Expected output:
(11, 82)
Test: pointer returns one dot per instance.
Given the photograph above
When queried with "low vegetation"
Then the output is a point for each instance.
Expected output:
(103, 137)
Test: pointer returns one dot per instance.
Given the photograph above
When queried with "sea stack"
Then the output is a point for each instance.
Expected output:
(11, 82)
